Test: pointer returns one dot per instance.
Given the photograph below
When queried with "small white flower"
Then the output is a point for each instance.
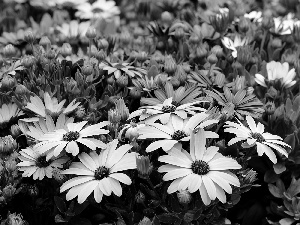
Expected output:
(232, 45)
(256, 16)
(278, 71)
(255, 135)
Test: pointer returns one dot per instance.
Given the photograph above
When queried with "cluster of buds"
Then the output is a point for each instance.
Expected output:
(7, 144)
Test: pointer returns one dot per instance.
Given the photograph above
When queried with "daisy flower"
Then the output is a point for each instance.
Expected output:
(163, 112)
(232, 45)
(51, 106)
(35, 164)
(100, 173)
(53, 143)
(278, 71)
(8, 112)
(100, 8)
(202, 169)
(74, 29)
(284, 25)
(36, 129)
(254, 135)
(255, 16)
(175, 131)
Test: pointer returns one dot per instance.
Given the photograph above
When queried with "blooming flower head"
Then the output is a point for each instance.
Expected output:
(284, 25)
(51, 106)
(163, 112)
(35, 164)
(100, 8)
(232, 45)
(202, 169)
(278, 71)
(100, 173)
(53, 143)
(255, 16)
(175, 131)
(254, 135)
(8, 112)
(73, 29)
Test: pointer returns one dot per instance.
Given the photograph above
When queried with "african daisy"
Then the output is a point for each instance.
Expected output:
(8, 112)
(100, 173)
(202, 169)
(254, 135)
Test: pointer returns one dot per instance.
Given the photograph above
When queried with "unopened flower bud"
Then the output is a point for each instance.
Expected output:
(21, 90)
(184, 197)
(15, 130)
(267, 22)
(9, 191)
(91, 33)
(142, 56)
(194, 39)
(122, 109)
(50, 54)
(212, 59)
(217, 50)
(186, 67)
(33, 191)
(244, 25)
(270, 108)
(167, 17)
(114, 116)
(111, 80)
(8, 83)
(220, 22)
(87, 70)
(103, 44)
(276, 43)
(80, 112)
(179, 33)
(143, 166)
(122, 81)
(66, 50)
(125, 38)
(45, 42)
(135, 93)
(201, 52)
(244, 54)
(15, 219)
(28, 61)
(9, 51)
(145, 221)
(170, 64)
(29, 37)
(175, 82)
(161, 79)
(220, 80)
(140, 197)
(180, 74)
(101, 55)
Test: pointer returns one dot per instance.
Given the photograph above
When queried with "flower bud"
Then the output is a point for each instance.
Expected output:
(244, 54)
(45, 42)
(50, 54)
(180, 74)
(143, 166)
(101, 55)
(142, 56)
(87, 70)
(29, 36)
(11, 165)
(186, 67)
(167, 17)
(175, 82)
(179, 33)
(276, 43)
(220, 22)
(135, 93)
(15, 130)
(103, 44)
(91, 33)
(212, 59)
(111, 80)
(122, 81)
(122, 109)
(140, 197)
(194, 39)
(244, 25)
(220, 80)
(66, 50)
(33, 191)
(170, 64)
(8, 192)
(28, 61)
(114, 116)
(217, 50)
(125, 38)
(161, 79)
(15, 219)
(21, 90)
(201, 52)
(145, 221)
(8, 83)
(269, 108)
(9, 51)
(80, 112)
(267, 22)
(184, 197)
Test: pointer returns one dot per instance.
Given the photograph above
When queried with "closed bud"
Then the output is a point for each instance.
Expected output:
(237, 65)
(201, 52)
(8, 83)
(220, 80)
(80, 112)
(87, 70)
(180, 74)
(122, 81)
(50, 54)
(66, 50)
(29, 36)
(10, 165)
(103, 44)
(244, 54)
(125, 38)
(184, 197)
(111, 80)
(140, 197)
(161, 79)
(15, 219)
(9, 51)
(276, 43)
(145, 221)
(15, 131)
(186, 67)
(220, 22)
(194, 39)
(269, 108)
(217, 50)
(21, 90)
(91, 33)
(135, 93)
(267, 22)
(114, 116)
(167, 17)
(28, 61)
(143, 166)
(33, 191)
(244, 25)
(122, 109)
(142, 56)
(170, 64)
(45, 42)
(101, 55)
(179, 33)
(212, 59)
(175, 82)
(8, 192)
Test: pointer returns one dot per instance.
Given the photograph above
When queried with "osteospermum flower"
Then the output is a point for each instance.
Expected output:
(53, 143)
(163, 112)
(100, 173)
(74, 29)
(51, 106)
(175, 131)
(255, 16)
(254, 135)
(284, 25)
(202, 169)
(232, 45)
(278, 71)
(8, 112)
(36, 165)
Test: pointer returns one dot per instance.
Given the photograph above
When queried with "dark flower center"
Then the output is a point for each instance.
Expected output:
(200, 167)
(178, 134)
(101, 173)
(41, 161)
(175, 103)
(258, 137)
(71, 136)
(168, 108)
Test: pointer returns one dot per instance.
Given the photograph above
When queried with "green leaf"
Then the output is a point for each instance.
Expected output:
(60, 204)
(271, 176)
(168, 218)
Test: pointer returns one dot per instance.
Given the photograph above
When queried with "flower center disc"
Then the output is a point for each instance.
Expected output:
(258, 137)
(179, 134)
(168, 108)
(200, 167)
(71, 136)
(41, 162)
(101, 173)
